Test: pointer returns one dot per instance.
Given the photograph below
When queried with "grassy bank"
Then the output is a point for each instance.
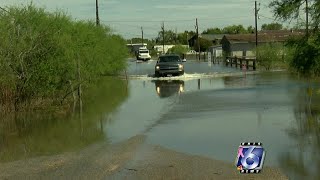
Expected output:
(45, 56)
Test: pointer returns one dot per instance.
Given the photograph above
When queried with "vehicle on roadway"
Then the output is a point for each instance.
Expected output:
(169, 65)
(143, 54)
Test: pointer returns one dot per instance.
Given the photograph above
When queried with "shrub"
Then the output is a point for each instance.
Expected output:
(273, 55)
(43, 54)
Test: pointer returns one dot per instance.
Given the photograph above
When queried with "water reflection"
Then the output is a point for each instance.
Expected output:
(25, 135)
(167, 88)
(304, 161)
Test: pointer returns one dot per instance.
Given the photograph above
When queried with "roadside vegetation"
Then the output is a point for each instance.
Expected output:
(306, 56)
(274, 56)
(178, 49)
(45, 57)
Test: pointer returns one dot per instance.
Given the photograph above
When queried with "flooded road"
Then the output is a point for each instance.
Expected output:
(200, 113)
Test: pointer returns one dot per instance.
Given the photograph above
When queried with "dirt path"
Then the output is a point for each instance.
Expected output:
(132, 159)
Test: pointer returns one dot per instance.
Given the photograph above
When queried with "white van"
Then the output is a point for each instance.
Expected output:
(143, 54)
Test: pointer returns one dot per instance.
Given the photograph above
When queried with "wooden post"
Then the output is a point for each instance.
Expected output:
(254, 64)
(240, 62)
(198, 39)
(307, 19)
(236, 60)
(247, 64)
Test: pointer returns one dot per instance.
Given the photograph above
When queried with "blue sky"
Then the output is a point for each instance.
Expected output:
(127, 16)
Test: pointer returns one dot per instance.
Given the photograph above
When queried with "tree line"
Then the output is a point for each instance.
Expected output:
(181, 38)
(171, 37)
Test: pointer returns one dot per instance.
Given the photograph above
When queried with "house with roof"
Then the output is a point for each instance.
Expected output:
(213, 38)
(135, 47)
(244, 44)
(159, 48)
(215, 51)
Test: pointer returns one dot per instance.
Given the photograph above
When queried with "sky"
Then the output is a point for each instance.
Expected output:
(126, 17)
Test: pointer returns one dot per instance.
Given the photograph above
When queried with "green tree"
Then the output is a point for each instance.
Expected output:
(169, 37)
(234, 29)
(182, 38)
(272, 26)
(250, 29)
(178, 49)
(293, 9)
(212, 31)
(306, 57)
(204, 45)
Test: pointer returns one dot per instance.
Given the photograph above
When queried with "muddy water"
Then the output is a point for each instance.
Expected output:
(200, 113)
(211, 116)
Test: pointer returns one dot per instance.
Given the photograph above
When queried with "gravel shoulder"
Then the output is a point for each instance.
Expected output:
(131, 159)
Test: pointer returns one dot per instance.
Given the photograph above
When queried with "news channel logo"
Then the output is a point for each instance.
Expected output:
(250, 157)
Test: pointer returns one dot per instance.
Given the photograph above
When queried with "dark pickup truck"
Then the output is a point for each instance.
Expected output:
(168, 65)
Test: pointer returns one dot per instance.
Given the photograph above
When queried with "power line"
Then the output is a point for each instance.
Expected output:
(135, 26)
(177, 20)
(147, 20)
(273, 19)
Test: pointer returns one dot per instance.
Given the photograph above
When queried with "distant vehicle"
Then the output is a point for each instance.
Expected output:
(191, 52)
(169, 65)
(143, 54)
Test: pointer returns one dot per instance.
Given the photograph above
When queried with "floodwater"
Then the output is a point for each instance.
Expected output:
(199, 113)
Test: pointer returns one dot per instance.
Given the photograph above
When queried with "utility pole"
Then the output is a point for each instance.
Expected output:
(307, 19)
(97, 13)
(188, 39)
(162, 27)
(175, 36)
(256, 10)
(142, 35)
(256, 21)
(198, 40)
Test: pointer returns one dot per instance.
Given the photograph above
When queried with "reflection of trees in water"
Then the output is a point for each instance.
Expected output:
(307, 135)
(24, 135)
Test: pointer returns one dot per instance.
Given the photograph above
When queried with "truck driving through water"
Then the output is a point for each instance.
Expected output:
(143, 54)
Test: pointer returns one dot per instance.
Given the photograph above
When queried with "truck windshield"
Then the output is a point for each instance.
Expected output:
(169, 59)
(144, 51)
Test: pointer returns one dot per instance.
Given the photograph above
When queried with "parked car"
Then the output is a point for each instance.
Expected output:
(191, 52)
(168, 65)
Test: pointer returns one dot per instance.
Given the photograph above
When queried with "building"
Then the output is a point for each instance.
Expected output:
(159, 48)
(215, 51)
(133, 48)
(213, 38)
(244, 44)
